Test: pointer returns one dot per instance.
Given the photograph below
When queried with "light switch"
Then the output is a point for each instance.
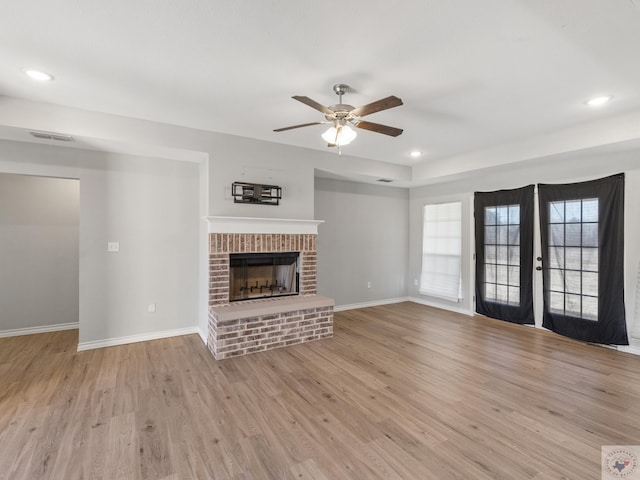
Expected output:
(113, 246)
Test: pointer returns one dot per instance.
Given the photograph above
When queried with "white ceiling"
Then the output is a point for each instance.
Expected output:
(473, 75)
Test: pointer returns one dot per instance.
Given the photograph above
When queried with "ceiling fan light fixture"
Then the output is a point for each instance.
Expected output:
(340, 135)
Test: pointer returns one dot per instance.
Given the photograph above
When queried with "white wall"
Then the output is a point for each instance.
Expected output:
(151, 207)
(254, 161)
(38, 252)
(558, 169)
(364, 239)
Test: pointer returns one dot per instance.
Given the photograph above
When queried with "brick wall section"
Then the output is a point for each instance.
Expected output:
(218, 278)
(255, 334)
(222, 244)
(212, 342)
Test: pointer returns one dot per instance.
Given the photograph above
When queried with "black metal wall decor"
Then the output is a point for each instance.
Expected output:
(256, 193)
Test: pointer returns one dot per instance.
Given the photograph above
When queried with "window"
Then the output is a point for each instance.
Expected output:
(441, 251)
(573, 258)
(502, 254)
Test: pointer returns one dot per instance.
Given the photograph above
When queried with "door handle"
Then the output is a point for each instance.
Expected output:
(538, 268)
(539, 259)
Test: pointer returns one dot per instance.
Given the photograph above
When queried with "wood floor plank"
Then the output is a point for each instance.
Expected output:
(401, 391)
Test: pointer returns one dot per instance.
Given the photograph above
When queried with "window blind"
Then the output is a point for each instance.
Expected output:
(441, 251)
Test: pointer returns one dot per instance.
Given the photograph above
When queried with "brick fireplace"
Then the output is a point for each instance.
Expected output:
(256, 325)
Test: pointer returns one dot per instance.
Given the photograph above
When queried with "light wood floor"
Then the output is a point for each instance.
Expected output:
(400, 392)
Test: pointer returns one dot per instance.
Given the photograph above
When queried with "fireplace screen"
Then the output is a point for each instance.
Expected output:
(259, 275)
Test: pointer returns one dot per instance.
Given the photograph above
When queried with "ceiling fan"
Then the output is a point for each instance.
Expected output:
(341, 115)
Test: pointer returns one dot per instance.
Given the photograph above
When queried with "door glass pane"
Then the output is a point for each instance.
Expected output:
(557, 302)
(490, 235)
(589, 234)
(490, 291)
(501, 274)
(490, 254)
(572, 305)
(514, 214)
(490, 273)
(556, 278)
(556, 257)
(502, 294)
(514, 235)
(503, 235)
(573, 258)
(590, 259)
(490, 216)
(556, 212)
(590, 283)
(514, 295)
(573, 211)
(514, 275)
(590, 210)
(556, 234)
(502, 215)
(590, 308)
(572, 281)
(514, 255)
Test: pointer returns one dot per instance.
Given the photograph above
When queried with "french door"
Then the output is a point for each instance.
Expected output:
(504, 254)
(582, 249)
(577, 235)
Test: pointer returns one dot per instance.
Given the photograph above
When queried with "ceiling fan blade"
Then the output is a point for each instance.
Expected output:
(376, 127)
(377, 106)
(298, 126)
(313, 104)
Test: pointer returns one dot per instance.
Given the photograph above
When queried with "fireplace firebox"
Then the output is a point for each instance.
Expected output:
(261, 275)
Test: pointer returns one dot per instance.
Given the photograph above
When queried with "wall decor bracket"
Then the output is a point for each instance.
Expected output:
(256, 193)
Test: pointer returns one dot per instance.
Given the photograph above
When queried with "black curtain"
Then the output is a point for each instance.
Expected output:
(523, 312)
(609, 326)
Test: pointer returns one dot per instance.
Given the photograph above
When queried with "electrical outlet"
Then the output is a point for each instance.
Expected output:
(415, 282)
(151, 308)
(368, 284)
(113, 247)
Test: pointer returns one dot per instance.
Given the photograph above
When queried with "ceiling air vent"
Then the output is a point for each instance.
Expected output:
(385, 180)
(52, 136)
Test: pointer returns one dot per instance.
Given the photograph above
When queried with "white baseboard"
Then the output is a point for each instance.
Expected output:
(375, 303)
(203, 336)
(144, 337)
(629, 349)
(452, 308)
(33, 330)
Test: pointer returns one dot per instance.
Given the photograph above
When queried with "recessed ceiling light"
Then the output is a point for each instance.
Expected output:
(599, 101)
(416, 154)
(37, 75)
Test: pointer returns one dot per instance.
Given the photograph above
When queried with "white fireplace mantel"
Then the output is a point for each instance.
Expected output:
(219, 224)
